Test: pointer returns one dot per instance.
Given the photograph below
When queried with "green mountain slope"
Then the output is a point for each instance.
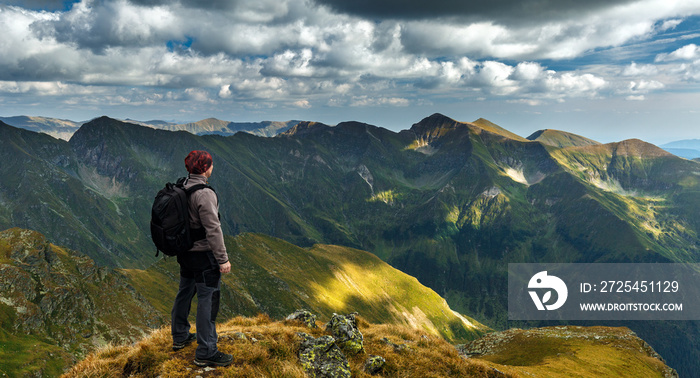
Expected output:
(274, 277)
(570, 351)
(647, 188)
(46, 187)
(57, 305)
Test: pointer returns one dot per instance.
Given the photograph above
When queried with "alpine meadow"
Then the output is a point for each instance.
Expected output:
(413, 230)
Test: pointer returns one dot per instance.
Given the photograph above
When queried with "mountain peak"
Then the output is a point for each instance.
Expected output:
(305, 128)
(102, 124)
(434, 121)
(491, 127)
(210, 122)
(558, 138)
(103, 118)
(639, 148)
(439, 117)
(435, 126)
(438, 124)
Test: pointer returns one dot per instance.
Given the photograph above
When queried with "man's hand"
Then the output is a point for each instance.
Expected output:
(225, 268)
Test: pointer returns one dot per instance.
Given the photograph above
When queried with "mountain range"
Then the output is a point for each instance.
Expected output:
(58, 128)
(450, 203)
(225, 128)
(64, 129)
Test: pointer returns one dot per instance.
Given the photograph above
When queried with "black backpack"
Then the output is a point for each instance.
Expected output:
(170, 219)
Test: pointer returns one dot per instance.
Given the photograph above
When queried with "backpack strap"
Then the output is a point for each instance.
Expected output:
(195, 188)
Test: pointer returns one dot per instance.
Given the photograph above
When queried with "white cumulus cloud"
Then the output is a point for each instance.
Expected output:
(267, 53)
(687, 52)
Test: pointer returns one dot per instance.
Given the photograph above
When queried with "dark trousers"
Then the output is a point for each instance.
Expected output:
(199, 274)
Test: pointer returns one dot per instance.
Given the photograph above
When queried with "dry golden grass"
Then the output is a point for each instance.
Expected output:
(270, 350)
(412, 353)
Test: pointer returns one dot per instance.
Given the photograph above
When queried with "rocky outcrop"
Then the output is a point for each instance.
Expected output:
(321, 357)
(344, 329)
(325, 356)
(63, 297)
(374, 364)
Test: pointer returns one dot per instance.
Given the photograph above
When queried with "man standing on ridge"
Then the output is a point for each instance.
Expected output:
(201, 267)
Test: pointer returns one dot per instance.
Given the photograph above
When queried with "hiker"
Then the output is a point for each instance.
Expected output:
(201, 268)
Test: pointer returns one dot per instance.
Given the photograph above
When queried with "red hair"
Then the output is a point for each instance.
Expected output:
(198, 162)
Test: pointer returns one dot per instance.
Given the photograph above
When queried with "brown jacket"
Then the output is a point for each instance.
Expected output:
(204, 212)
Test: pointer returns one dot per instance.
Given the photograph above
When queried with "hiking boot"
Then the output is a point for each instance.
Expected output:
(218, 359)
(190, 338)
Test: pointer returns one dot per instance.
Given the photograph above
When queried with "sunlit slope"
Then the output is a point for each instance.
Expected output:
(558, 138)
(493, 128)
(275, 277)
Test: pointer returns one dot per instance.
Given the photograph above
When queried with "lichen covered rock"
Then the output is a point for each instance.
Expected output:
(374, 364)
(321, 358)
(347, 335)
(305, 317)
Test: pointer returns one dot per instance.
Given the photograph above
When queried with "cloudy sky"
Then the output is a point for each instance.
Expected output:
(606, 69)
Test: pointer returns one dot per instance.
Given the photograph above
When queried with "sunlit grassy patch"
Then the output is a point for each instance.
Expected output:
(571, 351)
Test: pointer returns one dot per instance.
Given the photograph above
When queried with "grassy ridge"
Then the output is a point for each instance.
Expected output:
(571, 351)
